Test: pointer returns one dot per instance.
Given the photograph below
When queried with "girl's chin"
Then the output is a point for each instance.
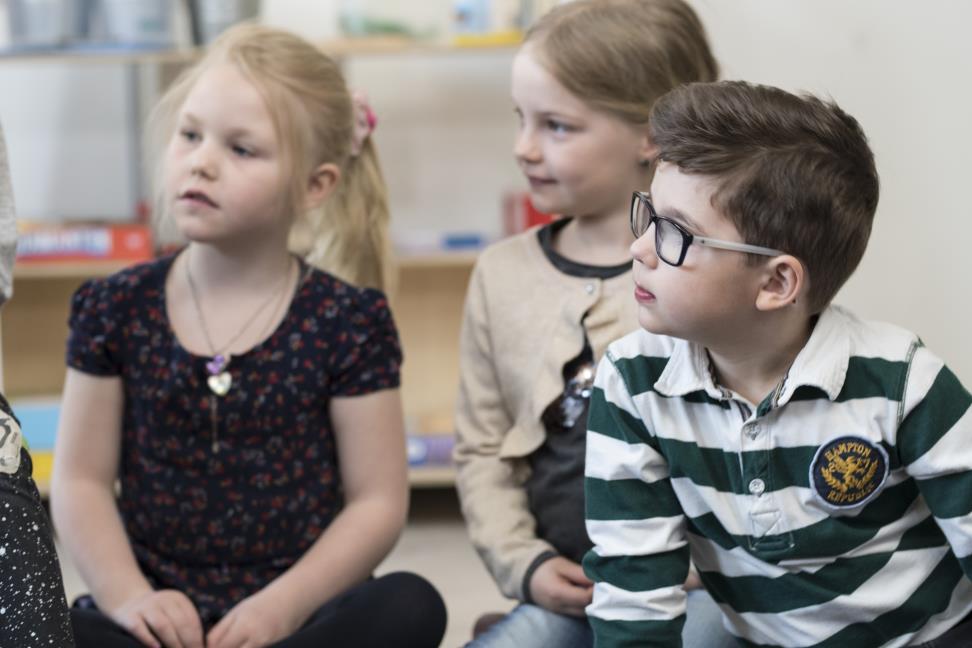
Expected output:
(543, 202)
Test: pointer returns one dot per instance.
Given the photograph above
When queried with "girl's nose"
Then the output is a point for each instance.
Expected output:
(525, 147)
(203, 162)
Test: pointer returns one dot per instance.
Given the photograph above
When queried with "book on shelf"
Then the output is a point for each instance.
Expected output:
(38, 421)
(429, 450)
(39, 416)
(39, 242)
(519, 214)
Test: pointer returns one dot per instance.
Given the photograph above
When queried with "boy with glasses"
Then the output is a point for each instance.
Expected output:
(815, 467)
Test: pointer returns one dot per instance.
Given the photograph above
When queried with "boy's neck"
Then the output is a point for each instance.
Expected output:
(595, 240)
(753, 367)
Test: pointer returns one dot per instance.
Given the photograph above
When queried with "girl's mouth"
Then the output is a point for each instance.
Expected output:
(539, 182)
(198, 197)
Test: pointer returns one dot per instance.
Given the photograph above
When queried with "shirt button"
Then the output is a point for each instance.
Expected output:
(589, 288)
(757, 486)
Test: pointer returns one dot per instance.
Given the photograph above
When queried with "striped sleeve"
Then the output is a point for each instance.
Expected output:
(934, 444)
(640, 557)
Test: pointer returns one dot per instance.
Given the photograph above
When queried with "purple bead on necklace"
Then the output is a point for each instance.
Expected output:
(216, 365)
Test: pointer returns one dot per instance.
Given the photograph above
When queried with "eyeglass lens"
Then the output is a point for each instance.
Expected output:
(669, 240)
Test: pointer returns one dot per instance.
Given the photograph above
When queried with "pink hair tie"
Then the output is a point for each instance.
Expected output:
(364, 122)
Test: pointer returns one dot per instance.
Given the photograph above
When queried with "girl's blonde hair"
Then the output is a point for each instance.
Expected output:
(619, 56)
(313, 116)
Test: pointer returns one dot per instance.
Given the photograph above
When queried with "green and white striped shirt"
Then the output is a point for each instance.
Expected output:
(837, 512)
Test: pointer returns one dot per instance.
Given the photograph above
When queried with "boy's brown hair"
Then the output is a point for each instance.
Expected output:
(793, 173)
(619, 56)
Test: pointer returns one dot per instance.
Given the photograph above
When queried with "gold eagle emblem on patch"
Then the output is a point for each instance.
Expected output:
(848, 471)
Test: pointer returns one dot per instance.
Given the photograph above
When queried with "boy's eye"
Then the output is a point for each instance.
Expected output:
(242, 151)
(557, 126)
(189, 135)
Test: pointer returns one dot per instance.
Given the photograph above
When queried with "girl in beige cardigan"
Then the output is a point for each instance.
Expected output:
(543, 305)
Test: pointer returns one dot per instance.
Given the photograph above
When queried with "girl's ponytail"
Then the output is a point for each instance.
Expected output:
(349, 234)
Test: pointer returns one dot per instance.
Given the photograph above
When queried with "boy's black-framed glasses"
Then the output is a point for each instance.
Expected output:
(671, 240)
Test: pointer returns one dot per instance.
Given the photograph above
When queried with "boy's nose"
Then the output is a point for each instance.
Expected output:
(643, 249)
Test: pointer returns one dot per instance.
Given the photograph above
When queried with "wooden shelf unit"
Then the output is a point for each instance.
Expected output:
(337, 47)
(427, 304)
(427, 308)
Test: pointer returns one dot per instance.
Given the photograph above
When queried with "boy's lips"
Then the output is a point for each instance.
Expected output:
(643, 296)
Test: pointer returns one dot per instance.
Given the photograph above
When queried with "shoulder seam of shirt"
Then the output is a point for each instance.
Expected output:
(916, 344)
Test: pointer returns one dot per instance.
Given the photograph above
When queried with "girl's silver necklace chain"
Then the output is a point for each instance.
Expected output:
(202, 320)
(219, 379)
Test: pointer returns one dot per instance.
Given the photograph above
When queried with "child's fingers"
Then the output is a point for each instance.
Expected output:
(235, 637)
(575, 574)
(162, 627)
(218, 631)
(140, 630)
(230, 635)
(186, 622)
(574, 599)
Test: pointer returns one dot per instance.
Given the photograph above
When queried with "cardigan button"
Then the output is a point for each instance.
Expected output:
(589, 288)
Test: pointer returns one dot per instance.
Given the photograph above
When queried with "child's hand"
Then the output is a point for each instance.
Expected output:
(161, 618)
(693, 581)
(560, 585)
(254, 622)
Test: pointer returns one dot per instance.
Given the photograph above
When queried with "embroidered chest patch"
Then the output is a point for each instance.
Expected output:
(848, 471)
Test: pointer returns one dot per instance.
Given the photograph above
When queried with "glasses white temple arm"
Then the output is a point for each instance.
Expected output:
(736, 247)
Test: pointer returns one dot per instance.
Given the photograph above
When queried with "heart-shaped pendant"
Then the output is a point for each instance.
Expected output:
(220, 383)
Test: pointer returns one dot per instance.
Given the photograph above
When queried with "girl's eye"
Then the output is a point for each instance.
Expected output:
(189, 135)
(557, 127)
(242, 151)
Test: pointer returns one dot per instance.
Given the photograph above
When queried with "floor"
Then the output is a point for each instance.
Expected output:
(434, 545)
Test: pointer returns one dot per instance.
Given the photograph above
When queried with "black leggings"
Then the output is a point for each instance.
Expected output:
(400, 610)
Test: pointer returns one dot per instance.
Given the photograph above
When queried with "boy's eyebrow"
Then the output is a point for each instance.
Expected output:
(680, 217)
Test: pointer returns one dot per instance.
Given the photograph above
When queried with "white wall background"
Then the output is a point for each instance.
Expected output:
(904, 69)
(69, 141)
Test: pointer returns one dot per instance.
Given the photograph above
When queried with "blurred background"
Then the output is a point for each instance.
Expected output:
(77, 78)
(901, 68)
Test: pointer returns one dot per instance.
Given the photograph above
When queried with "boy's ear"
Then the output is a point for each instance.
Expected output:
(321, 184)
(784, 282)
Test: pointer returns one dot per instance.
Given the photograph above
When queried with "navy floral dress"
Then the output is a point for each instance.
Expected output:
(221, 525)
